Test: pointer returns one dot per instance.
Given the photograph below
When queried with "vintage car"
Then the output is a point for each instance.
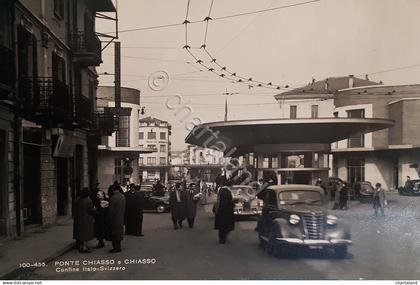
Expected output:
(160, 204)
(364, 191)
(296, 216)
(411, 188)
(246, 202)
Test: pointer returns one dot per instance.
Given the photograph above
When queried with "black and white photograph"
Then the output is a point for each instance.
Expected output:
(210, 140)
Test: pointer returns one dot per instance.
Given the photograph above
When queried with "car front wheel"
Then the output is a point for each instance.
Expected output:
(160, 209)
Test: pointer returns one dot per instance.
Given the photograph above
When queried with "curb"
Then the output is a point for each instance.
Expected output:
(21, 273)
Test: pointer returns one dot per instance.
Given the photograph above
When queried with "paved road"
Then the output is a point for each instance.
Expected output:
(384, 248)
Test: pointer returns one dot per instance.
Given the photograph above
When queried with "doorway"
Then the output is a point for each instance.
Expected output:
(31, 184)
(62, 186)
(3, 184)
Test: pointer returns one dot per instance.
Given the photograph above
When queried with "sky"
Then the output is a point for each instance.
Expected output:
(288, 46)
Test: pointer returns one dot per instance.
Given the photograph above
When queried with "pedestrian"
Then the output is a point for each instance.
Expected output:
(115, 218)
(225, 219)
(158, 189)
(321, 184)
(177, 205)
(83, 220)
(339, 186)
(134, 211)
(379, 199)
(191, 200)
(101, 205)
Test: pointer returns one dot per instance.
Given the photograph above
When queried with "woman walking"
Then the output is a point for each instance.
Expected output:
(83, 215)
(225, 219)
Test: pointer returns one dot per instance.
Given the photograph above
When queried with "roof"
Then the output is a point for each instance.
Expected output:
(290, 187)
(327, 86)
(153, 120)
(244, 136)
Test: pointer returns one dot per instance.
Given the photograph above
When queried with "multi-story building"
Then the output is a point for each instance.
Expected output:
(315, 100)
(48, 53)
(119, 152)
(154, 133)
(385, 156)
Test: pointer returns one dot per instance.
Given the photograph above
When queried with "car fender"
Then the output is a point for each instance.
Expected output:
(284, 229)
(341, 231)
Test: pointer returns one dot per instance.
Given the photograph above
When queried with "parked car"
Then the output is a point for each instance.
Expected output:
(246, 201)
(364, 191)
(411, 188)
(296, 216)
(160, 204)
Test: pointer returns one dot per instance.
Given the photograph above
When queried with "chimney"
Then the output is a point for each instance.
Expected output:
(326, 84)
(366, 76)
(351, 81)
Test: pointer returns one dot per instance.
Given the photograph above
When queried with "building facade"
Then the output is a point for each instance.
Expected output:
(154, 134)
(316, 100)
(49, 51)
(119, 152)
(386, 156)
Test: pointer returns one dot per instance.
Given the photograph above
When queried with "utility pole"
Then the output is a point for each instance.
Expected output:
(117, 74)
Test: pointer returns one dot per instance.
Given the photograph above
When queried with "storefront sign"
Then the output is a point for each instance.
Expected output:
(64, 147)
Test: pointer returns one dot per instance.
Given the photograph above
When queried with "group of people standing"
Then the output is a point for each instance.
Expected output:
(104, 216)
(183, 202)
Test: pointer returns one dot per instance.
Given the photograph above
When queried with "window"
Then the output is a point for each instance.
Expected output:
(123, 133)
(295, 161)
(151, 135)
(358, 140)
(151, 174)
(151, 161)
(151, 146)
(141, 136)
(293, 112)
(59, 8)
(163, 136)
(117, 166)
(141, 161)
(314, 111)
(162, 148)
(162, 161)
(355, 170)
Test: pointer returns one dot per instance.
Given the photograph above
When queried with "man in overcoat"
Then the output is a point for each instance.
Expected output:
(83, 215)
(134, 211)
(379, 199)
(192, 197)
(115, 218)
(177, 202)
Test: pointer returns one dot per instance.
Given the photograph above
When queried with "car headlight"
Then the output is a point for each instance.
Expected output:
(331, 220)
(294, 219)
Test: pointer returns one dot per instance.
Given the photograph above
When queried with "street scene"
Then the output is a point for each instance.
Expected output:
(209, 140)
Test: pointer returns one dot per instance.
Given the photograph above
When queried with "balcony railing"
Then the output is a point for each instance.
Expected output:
(45, 99)
(87, 49)
(84, 112)
(7, 72)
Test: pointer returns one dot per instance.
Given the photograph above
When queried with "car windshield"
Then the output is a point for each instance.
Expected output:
(300, 197)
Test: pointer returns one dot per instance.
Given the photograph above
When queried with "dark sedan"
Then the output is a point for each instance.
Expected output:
(411, 188)
(296, 216)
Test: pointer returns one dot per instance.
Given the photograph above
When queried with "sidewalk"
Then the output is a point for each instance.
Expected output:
(35, 245)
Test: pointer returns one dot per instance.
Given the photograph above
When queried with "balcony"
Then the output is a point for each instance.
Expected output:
(84, 112)
(7, 73)
(45, 100)
(87, 49)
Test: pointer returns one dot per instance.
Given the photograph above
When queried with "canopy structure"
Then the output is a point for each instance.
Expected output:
(237, 138)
